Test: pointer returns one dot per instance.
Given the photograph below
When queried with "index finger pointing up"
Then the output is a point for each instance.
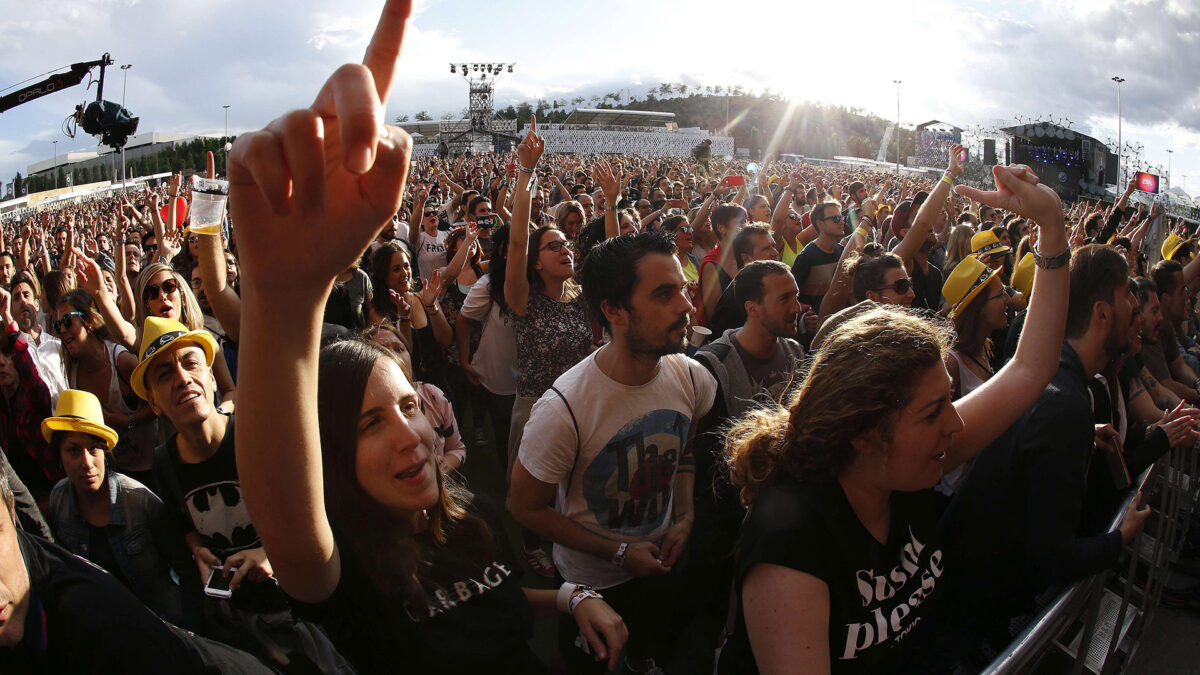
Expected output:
(384, 50)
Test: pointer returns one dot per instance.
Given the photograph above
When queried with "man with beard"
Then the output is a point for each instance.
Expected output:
(753, 364)
(21, 306)
(1015, 528)
(612, 440)
(1162, 355)
(8, 267)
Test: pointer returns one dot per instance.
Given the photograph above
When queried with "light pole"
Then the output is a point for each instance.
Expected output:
(55, 169)
(897, 83)
(1169, 153)
(125, 69)
(1120, 167)
(225, 139)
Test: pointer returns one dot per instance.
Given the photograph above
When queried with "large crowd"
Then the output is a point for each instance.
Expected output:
(779, 418)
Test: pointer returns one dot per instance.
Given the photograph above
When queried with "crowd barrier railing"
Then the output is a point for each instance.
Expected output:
(1097, 623)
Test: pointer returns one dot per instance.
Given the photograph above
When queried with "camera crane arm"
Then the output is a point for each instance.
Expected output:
(57, 82)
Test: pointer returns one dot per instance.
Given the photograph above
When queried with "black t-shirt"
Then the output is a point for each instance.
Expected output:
(481, 621)
(212, 498)
(814, 270)
(927, 286)
(82, 620)
(877, 593)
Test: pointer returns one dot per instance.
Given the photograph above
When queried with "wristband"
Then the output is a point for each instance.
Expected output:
(580, 597)
(947, 179)
(1053, 261)
(618, 558)
(433, 309)
(523, 169)
(403, 317)
(862, 232)
(563, 598)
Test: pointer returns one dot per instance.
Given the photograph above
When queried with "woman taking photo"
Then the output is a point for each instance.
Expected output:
(839, 493)
(362, 527)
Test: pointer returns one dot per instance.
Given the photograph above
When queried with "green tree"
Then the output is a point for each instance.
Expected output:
(423, 116)
(18, 185)
(401, 119)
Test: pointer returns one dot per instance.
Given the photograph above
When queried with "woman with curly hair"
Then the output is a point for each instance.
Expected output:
(839, 554)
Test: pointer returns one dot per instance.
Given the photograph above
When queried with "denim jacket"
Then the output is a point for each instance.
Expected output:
(143, 540)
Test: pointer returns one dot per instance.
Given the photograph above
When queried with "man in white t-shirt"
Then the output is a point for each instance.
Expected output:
(612, 441)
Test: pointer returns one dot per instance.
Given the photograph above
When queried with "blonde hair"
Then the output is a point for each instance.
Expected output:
(958, 246)
(859, 380)
(189, 312)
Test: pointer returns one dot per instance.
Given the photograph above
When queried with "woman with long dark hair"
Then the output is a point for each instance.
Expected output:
(363, 529)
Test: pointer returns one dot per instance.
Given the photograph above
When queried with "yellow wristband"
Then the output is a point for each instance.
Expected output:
(862, 232)
(946, 177)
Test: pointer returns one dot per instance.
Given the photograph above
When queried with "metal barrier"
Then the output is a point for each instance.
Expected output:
(1098, 622)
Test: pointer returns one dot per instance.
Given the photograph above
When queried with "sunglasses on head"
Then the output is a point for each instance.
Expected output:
(557, 246)
(900, 286)
(168, 287)
(66, 322)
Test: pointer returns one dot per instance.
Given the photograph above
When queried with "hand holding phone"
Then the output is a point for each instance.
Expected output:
(218, 583)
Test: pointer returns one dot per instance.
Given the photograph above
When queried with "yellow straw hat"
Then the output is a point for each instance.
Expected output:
(1022, 278)
(965, 282)
(157, 335)
(987, 243)
(1171, 245)
(79, 411)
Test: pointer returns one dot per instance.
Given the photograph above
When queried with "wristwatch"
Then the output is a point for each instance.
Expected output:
(618, 558)
(1051, 263)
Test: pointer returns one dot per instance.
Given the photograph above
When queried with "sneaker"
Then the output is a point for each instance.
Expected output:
(540, 563)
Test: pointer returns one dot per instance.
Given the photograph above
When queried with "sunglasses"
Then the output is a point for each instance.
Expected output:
(837, 219)
(168, 287)
(66, 322)
(686, 229)
(429, 214)
(557, 246)
(900, 286)
(151, 247)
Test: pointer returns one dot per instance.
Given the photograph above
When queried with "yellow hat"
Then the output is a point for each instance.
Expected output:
(1022, 278)
(987, 243)
(965, 282)
(79, 411)
(157, 335)
(1171, 245)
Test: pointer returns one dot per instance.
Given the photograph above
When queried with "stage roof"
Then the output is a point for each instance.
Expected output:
(429, 128)
(630, 118)
(1048, 132)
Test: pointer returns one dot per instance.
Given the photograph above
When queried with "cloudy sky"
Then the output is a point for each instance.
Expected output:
(968, 62)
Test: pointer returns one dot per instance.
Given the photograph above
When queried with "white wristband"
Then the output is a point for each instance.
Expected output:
(563, 599)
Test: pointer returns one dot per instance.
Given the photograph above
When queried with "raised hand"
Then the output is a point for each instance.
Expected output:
(531, 148)
(310, 192)
(1017, 190)
(954, 167)
(609, 181)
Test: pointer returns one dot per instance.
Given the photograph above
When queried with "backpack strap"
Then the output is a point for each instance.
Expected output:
(574, 423)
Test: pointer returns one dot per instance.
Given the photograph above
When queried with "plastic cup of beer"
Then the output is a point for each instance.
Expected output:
(208, 205)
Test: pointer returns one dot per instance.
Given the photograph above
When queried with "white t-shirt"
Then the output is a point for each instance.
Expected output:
(630, 438)
(431, 254)
(47, 357)
(496, 357)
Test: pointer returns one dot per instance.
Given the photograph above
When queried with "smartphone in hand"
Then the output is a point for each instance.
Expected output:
(218, 583)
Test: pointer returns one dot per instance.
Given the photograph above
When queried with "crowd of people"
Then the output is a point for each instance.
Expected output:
(797, 419)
